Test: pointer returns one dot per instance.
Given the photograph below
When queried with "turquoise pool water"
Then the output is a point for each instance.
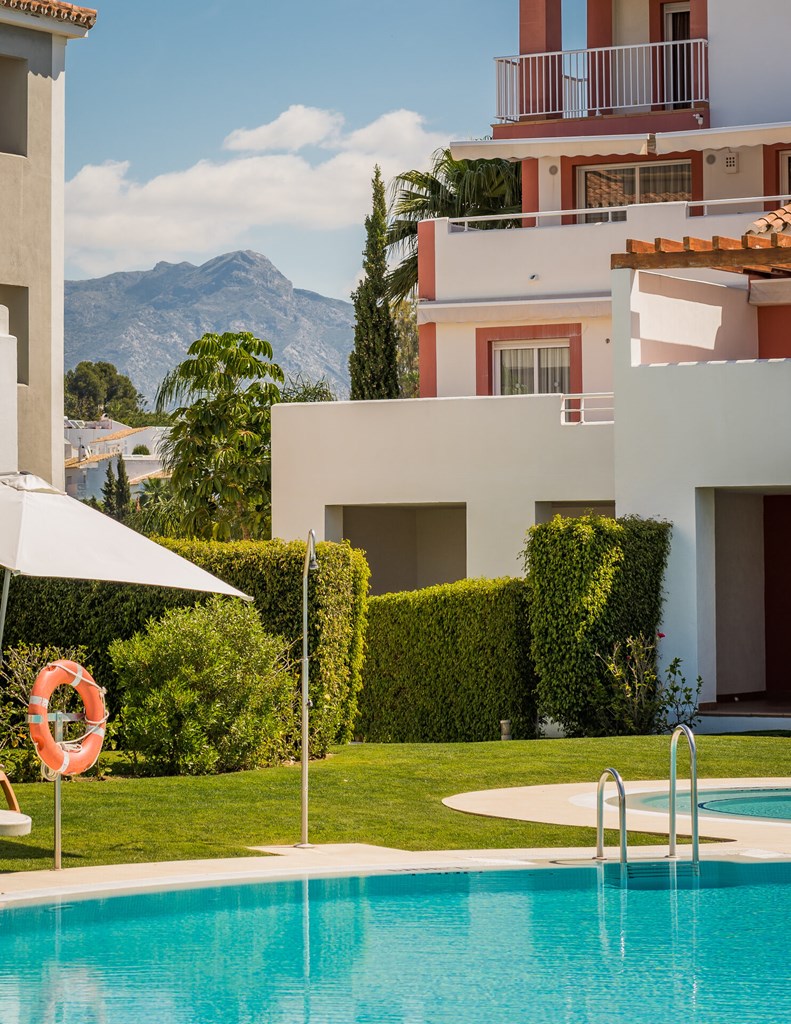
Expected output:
(744, 803)
(540, 947)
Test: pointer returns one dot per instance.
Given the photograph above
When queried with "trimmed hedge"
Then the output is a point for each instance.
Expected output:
(595, 582)
(67, 613)
(447, 663)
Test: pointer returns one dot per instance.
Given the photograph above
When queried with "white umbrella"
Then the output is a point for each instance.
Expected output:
(44, 532)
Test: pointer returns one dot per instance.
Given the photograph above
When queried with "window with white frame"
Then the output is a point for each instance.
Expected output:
(625, 184)
(522, 368)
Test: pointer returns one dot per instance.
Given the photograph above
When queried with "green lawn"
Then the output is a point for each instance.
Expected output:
(388, 795)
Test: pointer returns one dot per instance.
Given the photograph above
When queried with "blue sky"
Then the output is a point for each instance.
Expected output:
(199, 126)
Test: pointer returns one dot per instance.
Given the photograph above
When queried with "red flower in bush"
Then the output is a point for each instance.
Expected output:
(661, 636)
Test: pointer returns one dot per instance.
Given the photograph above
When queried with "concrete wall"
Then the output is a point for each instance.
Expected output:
(496, 456)
(739, 575)
(8, 409)
(31, 245)
(682, 433)
(407, 547)
(630, 24)
(456, 353)
(746, 85)
(571, 259)
(681, 320)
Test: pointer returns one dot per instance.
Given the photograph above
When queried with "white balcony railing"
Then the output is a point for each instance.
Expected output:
(581, 83)
(592, 409)
(738, 205)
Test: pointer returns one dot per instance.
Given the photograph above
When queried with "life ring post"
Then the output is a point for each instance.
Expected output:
(58, 830)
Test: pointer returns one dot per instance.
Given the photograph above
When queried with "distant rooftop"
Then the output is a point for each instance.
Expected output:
(57, 9)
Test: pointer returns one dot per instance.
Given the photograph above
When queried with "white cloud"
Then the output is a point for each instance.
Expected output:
(294, 129)
(115, 222)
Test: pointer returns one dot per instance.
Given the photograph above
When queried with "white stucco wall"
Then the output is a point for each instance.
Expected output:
(748, 84)
(8, 409)
(630, 23)
(497, 456)
(681, 433)
(571, 259)
(683, 320)
(747, 181)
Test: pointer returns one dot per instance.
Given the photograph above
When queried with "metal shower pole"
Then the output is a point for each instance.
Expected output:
(309, 565)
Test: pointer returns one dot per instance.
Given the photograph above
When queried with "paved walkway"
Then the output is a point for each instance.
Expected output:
(563, 805)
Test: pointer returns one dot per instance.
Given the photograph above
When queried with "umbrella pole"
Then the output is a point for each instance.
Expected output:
(4, 607)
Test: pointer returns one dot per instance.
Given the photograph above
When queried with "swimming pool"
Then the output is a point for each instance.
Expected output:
(753, 803)
(544, 946)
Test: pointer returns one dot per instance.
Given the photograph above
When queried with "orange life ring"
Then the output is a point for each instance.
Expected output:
(72, 757)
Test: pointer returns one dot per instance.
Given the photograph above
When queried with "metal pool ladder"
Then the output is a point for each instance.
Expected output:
(684, 730)
(600, 812)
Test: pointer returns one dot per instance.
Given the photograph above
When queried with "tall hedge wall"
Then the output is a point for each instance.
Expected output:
(68, 613)
(594, 582)
(447, 663)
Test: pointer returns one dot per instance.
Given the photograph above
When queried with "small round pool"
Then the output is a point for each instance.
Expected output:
(756, 803)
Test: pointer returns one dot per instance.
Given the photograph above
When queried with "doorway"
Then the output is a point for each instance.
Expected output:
(678, 56)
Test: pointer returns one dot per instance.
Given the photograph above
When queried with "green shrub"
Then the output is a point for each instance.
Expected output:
(141, 449)
(447, 664)
(594, 583)
(18, 672)
(206, 689)
(91, 614)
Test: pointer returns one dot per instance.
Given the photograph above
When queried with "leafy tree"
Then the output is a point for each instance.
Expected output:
(299, 388)
(157, 511)
(218, 448)
(92, 389)
(123, 493)
(372, 363)
(109, 491)
(141, 449)
(404, 314)
(452, 188)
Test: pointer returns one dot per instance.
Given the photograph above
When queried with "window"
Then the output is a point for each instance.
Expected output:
(625, 184)
(785, 173)
(522, 369)
(13, 108)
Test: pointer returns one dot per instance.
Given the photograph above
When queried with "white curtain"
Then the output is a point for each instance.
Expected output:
(517, 375)
(554, 374)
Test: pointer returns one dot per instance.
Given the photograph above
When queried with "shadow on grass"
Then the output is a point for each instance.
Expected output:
(12, 851)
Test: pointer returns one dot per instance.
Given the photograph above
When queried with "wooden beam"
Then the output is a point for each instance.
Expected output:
(722, 259)
(696, 244)
(668, 245)
(756, 242)
(781, 241)
(635, 246)
(723, 242)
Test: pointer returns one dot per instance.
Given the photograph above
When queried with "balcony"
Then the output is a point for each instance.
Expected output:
(563, 252)
(607, 80)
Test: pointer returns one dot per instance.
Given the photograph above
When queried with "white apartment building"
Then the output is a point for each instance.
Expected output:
(551, 383)
(33, 38)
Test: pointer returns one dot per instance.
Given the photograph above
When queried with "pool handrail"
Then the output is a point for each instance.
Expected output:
(610, 772)
(678, 732)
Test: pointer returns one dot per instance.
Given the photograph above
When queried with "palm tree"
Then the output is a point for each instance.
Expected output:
(452, 188)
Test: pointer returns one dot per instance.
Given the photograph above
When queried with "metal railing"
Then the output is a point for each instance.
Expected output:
(581, 83)
(607, 773)
(678, 732)
(595, 408)
(603, 214)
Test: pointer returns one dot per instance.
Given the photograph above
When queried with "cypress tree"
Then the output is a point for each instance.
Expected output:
(373, 362)
(123, 493)
(108, 492)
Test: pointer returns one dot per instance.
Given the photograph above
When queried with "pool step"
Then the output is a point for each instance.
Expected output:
(660, 874)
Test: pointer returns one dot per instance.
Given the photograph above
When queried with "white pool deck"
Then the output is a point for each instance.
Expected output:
(572, 804)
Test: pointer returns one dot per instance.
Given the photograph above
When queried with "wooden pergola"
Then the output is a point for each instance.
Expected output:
(764, 256)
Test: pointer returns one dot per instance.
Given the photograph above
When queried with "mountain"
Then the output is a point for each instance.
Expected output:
(144, 321)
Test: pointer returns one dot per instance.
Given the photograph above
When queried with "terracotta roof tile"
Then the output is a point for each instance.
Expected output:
(57, 9)
(777, 220)
(77, 462)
